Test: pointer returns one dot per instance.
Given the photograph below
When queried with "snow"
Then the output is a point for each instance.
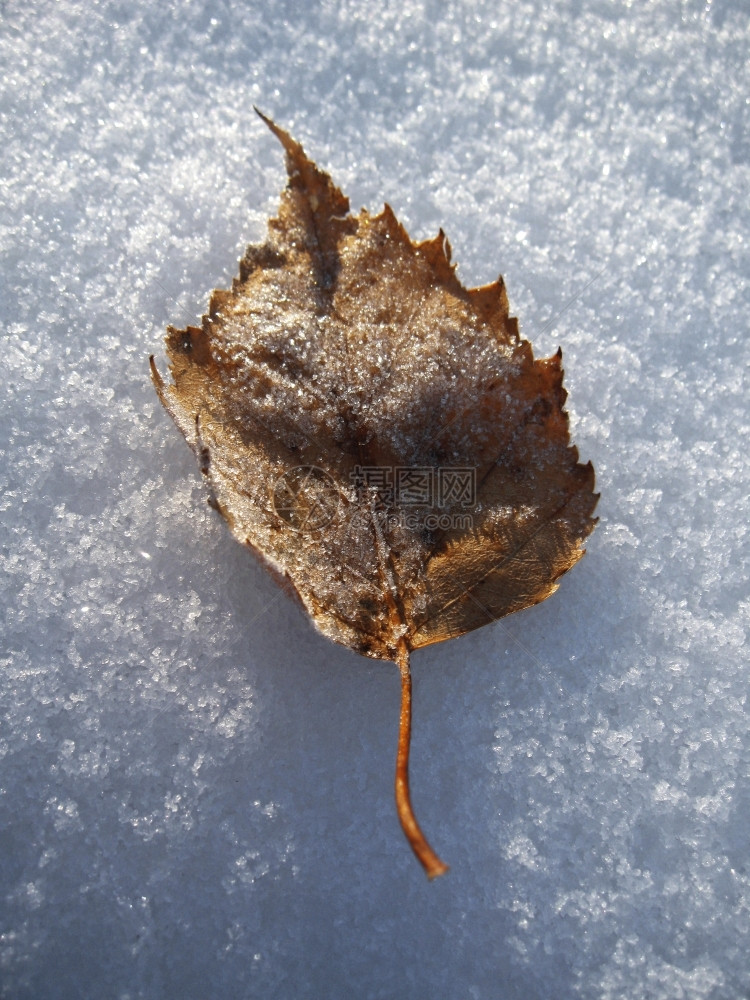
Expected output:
(195, 787)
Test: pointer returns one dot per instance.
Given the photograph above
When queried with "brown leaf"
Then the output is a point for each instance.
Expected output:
(379, 434)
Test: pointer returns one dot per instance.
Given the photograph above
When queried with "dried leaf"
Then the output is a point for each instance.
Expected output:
(379, 434)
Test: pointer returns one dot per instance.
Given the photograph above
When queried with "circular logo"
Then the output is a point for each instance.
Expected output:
(306, 498)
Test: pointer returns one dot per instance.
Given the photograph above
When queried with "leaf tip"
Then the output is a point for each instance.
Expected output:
(291, 146)
(156, 376)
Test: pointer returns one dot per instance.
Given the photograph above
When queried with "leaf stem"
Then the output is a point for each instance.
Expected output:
(431, 863)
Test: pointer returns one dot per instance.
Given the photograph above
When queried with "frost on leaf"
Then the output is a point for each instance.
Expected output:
(379, 434)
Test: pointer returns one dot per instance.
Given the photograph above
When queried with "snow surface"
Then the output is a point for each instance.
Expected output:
(195, 788)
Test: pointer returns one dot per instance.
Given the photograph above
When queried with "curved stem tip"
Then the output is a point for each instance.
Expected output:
(425, 854)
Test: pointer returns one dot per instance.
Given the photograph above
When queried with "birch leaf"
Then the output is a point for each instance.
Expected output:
(380, 435)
